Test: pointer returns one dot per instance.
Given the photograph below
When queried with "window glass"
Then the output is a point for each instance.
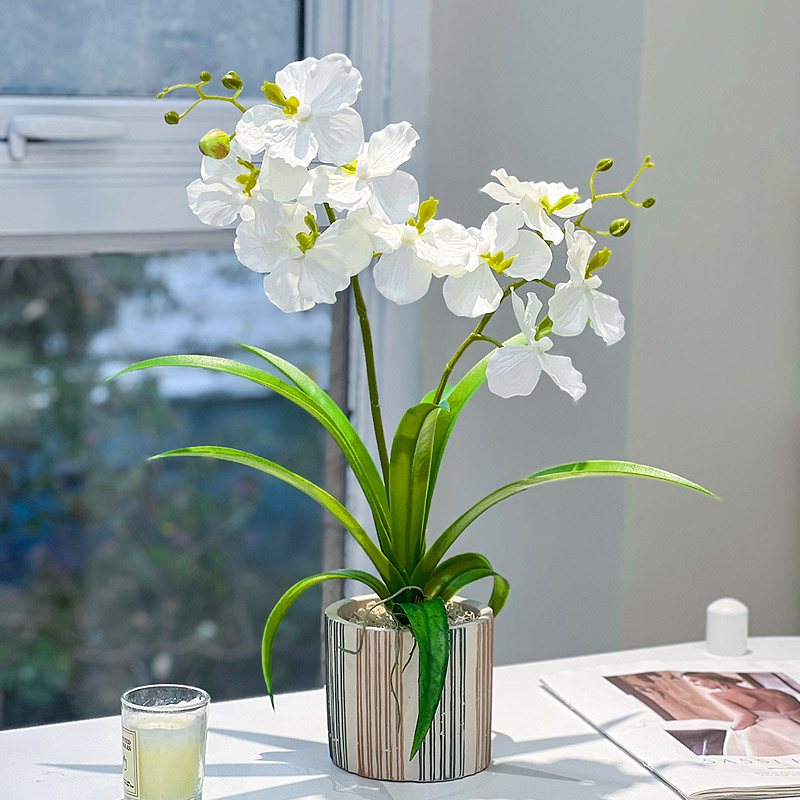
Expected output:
(116, 571)
(104, 47)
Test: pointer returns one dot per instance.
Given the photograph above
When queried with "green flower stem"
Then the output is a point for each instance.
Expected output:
(369, 358)
(372, 381)
(623, 194)
(489, 339)
(203, 96)
(477, 335)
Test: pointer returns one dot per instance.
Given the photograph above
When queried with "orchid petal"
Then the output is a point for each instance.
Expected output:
(389, 148)
(341, 189)
(513, 370)
(215, 203)
(281, 287)
(564, 375)
(344, 247)
(472, 294)
(579, 248)
(555, 191)
(402, 276)
(285, 181)
(293, 78)
(394, 197)
(569, 310)
(385, 238)
(339, 135)
(533, 257)
(509, 190)
(333, 83)
(446, 245)
(508, 221)
(574, 209)
(526, 314)
(251, 130)
(536, 218)
(319, 284)
(605, 317)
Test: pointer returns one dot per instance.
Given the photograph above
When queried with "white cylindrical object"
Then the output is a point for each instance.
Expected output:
(164, 742)
(726, 627)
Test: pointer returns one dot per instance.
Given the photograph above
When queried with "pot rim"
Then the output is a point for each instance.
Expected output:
(333, 612)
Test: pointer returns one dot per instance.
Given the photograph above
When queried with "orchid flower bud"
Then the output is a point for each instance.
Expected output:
(619, 227)
(604, 165)
(172, 118)
(231, 80)
(215, 144)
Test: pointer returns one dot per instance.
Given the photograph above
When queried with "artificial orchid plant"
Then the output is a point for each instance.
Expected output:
(301, 157)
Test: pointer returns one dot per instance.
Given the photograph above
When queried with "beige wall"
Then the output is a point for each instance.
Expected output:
(706, 381)
(715, 334)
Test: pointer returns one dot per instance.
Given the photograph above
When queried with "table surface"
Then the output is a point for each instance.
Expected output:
(540, 750)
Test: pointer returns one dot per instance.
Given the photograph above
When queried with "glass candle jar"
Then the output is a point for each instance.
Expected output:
(164, 742)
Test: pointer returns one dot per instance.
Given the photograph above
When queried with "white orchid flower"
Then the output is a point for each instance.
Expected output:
(515, 369)
(577, 301)
(374, 179)
(500, 249)
(414, 252)
(227, 185)
(304, 265)
(308, 115)
(538, 200)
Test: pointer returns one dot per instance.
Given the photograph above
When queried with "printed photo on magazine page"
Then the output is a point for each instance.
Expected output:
(708, 731)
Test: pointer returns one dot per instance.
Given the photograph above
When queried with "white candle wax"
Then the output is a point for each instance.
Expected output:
(169, 753)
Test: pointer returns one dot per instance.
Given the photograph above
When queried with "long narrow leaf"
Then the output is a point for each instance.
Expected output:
(431, 630)
(339, 427)
(409, 475)
(454, 573)
(575, 470)
(500, 588)
(455, 398)
(282, 606)
(386, 570)
(315, 392)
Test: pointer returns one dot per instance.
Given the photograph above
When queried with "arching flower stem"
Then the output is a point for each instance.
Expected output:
(477, 335)
(202, 96)
(648, 163)
(369, 359)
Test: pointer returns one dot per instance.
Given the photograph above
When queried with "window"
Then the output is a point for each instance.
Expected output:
(115, 571)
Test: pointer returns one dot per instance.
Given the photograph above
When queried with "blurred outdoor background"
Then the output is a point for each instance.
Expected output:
(117, 572)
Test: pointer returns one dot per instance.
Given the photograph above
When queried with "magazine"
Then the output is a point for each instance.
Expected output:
(712, 730)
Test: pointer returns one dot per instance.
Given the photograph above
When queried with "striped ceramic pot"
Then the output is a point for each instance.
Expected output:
(373, 701)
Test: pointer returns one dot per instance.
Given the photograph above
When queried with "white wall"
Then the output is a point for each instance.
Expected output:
(715, 335)
(543, 89)
(705, 383)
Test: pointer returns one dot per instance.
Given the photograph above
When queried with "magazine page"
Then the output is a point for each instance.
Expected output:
(710, 729)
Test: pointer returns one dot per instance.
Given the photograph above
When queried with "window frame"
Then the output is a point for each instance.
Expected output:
(389, 43)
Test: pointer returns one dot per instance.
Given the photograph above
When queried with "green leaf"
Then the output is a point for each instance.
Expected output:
(430, 628)
(311, 399)
(457, 398)
(456, 572)
(409, 479)
(282, 606)
(575, 470)
(500, 589)
(314, 392)
(385, 568)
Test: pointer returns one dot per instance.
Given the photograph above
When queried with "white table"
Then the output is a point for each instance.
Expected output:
(541, 750)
